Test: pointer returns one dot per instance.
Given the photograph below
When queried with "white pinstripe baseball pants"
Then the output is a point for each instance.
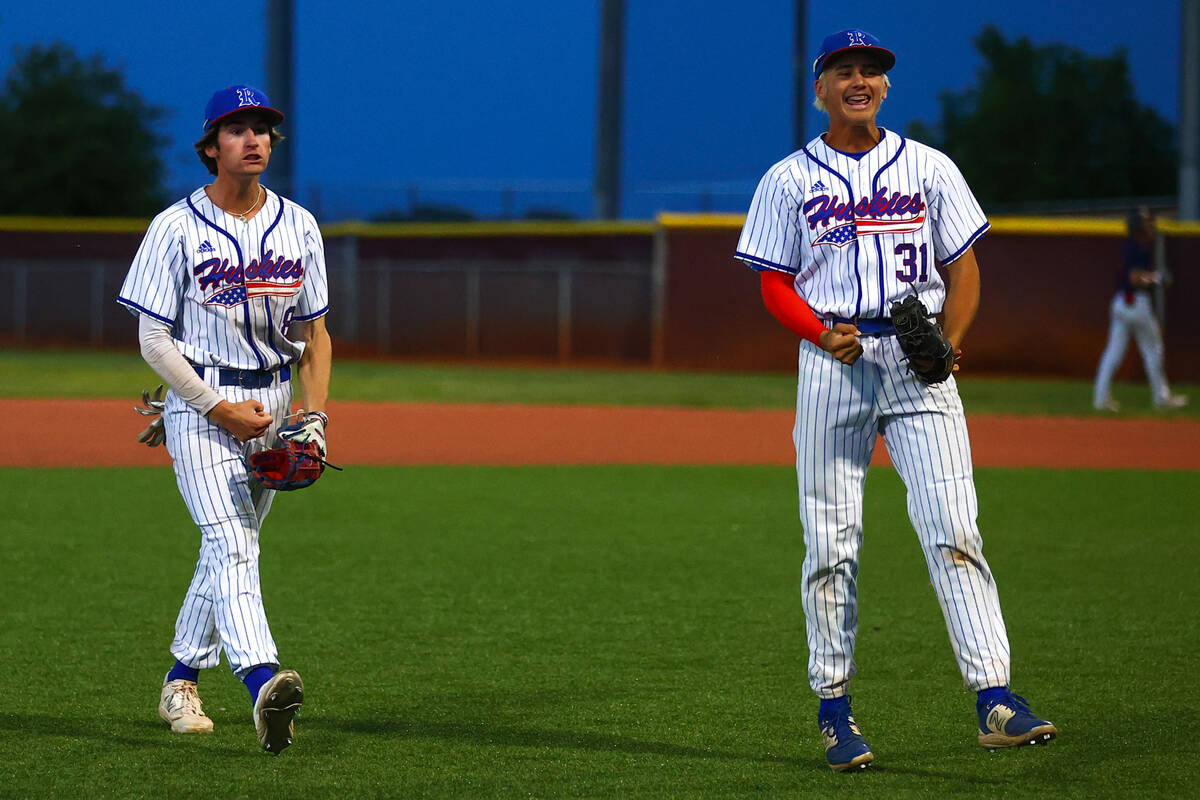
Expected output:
(1132, 317)
(839, 410)
(223, 607)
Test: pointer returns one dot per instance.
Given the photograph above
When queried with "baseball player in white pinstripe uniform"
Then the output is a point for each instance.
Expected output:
(856, 219)
(1132, 313)
(230, 291)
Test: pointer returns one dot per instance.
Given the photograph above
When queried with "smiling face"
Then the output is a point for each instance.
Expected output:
(243, 145)
(851, 88)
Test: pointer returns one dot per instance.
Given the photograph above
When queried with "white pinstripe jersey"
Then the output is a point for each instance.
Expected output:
(230, 289)
(858, 233)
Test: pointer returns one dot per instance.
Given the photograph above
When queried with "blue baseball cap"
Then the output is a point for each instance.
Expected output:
(239, 98)
(852, 39)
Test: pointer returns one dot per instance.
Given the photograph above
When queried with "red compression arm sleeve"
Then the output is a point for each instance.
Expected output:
(780, 298)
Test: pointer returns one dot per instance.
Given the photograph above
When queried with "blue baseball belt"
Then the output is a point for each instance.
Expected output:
(249, 378)
(870, 326)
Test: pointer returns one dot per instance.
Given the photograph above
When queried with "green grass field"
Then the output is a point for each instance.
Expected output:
(588, 631)
(592, 632)
(124, 375)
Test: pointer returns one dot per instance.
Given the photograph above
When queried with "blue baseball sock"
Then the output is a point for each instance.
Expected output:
(993, 694)
(255, 679)
(182, 671)
(832, 707)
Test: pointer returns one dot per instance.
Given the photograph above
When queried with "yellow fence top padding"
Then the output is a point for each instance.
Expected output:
(1051, 226)
(74, 224)
(709, 221)
(1173, 228)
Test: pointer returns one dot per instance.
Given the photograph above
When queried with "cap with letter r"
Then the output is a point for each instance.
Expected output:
(239, 98)
(852, 39)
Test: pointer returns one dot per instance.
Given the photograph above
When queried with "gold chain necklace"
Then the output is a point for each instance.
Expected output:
(257, 200)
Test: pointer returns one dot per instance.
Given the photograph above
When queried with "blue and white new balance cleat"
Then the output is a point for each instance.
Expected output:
(845, 748)
(1008, 722)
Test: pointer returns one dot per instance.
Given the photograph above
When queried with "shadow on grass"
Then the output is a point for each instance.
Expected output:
(513, 736)
(133, 733)
(146, 734)
(484, 733)
(47, 725)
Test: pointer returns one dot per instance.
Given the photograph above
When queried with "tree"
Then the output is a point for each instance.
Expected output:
(74, 141)
(1051, 123)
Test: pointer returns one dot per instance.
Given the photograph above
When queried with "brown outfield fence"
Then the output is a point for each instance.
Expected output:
(665, 293)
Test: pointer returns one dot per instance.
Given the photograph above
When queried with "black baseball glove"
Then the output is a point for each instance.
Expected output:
(928, 353)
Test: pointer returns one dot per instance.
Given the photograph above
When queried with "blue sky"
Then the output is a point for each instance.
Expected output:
(455, 100)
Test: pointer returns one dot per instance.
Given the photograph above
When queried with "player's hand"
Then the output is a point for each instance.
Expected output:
(246, 420)
(308, 427)
(842, 342)
(1143, 277)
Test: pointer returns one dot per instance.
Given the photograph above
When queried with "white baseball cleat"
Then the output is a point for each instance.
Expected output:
(274, 711)
(1108, 405)
(1172, 401)
(179, 706)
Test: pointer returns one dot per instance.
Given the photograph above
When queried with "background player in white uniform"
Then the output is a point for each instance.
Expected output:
(1132, 313)
(230, 290)
(856, 219)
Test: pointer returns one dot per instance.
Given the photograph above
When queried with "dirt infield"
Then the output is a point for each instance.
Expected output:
(48, 433)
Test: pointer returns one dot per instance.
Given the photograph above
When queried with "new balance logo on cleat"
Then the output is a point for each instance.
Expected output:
(1009, 722)
(845, 749)
(205, 247)
(999, 716)
(819, 187)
